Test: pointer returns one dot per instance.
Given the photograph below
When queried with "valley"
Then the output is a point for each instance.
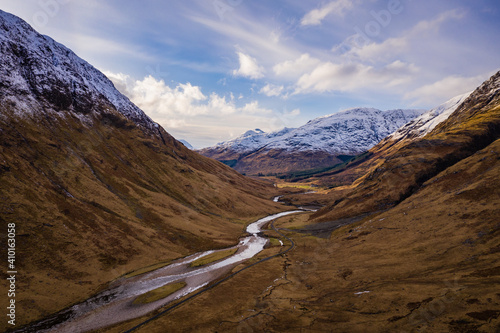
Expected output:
(124, 301)
(362, 220)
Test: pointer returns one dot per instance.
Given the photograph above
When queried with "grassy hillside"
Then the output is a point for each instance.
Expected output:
(95, 199)
(396, 170)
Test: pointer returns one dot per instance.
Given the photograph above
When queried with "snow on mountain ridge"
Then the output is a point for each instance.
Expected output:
(34, 65)
(347, 132)
(426, 122)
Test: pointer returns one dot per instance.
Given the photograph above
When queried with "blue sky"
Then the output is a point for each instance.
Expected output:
(210, 70)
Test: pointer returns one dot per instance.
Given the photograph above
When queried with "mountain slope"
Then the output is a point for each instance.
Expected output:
(94, 186)
(316, 144)
(426, 122)
(35, 68)
(398, 168)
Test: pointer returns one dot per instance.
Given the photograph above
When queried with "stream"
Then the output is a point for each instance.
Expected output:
(115, 304)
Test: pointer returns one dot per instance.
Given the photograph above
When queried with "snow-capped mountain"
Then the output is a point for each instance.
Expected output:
(349, 132)
(426, 122)
(36, 69)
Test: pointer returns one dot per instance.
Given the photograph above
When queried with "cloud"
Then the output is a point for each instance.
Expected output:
(350, 77)
(173, 105)
(256, 36)
(271, 90)
(293, 69)
(95, 46)
(249, 67)
(315, 16)
(360, 46)
(442, 90)
(187, 113)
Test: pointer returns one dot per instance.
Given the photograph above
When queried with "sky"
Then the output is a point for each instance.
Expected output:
(209, 70)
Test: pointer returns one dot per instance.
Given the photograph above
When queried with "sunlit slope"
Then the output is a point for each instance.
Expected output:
(397, 169)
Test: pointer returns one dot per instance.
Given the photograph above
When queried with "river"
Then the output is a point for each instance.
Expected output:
(115, 304)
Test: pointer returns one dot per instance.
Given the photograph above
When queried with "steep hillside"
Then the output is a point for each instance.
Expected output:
(94, 186)
(317, 144)
(425, 123)
(398, 168)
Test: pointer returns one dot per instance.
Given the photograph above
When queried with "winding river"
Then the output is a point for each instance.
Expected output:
(115, 304)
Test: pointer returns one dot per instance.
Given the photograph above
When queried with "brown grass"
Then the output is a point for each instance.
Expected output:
(92, 203)
(159, 293)
(429, 264)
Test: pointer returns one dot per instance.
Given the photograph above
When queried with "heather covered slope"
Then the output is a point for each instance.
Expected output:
(91, 203)
(397, 168)
(95, 187)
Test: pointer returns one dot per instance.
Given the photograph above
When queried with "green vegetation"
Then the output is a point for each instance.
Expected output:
(274, 242)
(347, 161)
(230, 163)
(159, 293)
(305, 187)
(213, 257)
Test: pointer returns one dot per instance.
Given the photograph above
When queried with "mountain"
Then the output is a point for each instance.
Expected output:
(399, 165)
(317, 144)
(50, 72)
(426, 122)
(93, 185)
(412, 244)
(415, 129)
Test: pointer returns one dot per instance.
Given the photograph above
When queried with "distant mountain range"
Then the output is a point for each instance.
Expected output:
(317, 144)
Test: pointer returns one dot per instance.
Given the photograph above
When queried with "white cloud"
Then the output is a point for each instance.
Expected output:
(361, 47)
(315, 16)
(254, 34)
(249, 67)
(351, 77)
(380, 51)
(293, 69)
(187, 113)
(156, 98)
(271, 90)
(440, 91)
